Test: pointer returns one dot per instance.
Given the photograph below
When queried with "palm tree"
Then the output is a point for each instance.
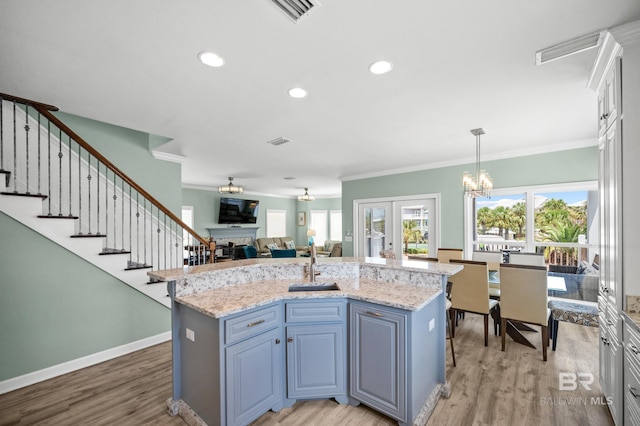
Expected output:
(502, 220)
(563, 232)
(518, 214)
(484, 218)
(410, 232)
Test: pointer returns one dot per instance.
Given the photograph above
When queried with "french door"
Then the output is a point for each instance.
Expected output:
(406, 225)
(375, 228)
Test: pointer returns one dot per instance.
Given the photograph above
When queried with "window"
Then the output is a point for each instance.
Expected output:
(560, 221)
(335, 225)
(187, 218)
(318, 222)
(276, 223)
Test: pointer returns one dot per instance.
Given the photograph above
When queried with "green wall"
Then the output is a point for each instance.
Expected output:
(56, 307)
(564, 166)
(317, 204)
(129, 151)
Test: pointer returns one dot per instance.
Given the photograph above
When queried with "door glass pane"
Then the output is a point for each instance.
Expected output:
(374, 232)
(415, 230)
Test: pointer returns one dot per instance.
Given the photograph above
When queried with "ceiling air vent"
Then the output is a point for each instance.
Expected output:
(279, 141)
(297, 9)
(562, 50)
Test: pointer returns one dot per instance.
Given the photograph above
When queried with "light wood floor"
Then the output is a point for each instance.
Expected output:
(489, 387)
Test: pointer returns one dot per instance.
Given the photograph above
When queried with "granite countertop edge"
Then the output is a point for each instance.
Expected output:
(226, 301)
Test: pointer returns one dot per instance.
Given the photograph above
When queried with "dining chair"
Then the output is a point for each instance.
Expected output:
(470, 293)
(388, 254)
(523, 258)
(450, 328)
(493, 259)
(446, 254)
(524, 299)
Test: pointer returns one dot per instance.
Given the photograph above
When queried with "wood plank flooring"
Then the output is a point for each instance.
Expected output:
(489, 387)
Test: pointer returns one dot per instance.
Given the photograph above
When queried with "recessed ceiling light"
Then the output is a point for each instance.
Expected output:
(297, 92)
(380, 67)
(211, 59)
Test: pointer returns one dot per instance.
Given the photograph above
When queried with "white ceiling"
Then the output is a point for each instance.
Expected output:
(458, 65)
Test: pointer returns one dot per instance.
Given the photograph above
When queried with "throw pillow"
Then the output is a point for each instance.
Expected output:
(585, 269)
(289, 244)
(272, 246)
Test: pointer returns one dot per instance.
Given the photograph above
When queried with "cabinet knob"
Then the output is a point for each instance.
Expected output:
(289, 339)
(277, 341)
(605, 116)
(634, 349)
(633, 391)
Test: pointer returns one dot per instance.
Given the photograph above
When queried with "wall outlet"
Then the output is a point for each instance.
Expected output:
(191, 335)
(432, 324)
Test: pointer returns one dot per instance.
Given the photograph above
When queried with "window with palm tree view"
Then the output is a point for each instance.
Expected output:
(559, 221)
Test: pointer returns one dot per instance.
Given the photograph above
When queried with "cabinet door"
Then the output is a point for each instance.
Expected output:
(604, 360)
(316, 357)
(378, 359)
(253, 377)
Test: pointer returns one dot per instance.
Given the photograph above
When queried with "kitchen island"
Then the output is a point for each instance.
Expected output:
(250, 336)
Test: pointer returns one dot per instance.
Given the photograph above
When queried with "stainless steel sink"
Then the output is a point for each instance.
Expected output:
(314, 287)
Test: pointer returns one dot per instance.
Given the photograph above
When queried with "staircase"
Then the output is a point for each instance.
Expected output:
(58, 185)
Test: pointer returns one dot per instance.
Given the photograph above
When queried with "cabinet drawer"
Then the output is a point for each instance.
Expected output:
(315, 311)
(632, 342)
(251, 324)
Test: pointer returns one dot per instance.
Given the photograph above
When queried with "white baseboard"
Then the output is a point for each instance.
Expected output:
(77, 364)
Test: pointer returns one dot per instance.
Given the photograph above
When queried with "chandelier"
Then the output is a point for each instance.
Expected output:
(306, 196)
(230, 188)
(481, 184)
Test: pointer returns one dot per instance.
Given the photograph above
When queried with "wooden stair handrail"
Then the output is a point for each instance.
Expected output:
(45, 110)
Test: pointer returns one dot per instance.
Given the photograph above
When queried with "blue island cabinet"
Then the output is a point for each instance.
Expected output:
(316, 350)
(394, 358)
(232, 368)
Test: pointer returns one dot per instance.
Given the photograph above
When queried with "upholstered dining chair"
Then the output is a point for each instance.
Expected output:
(450, 328)
(446, 254)
(470, 293)
(493, 259)
(388, 254)
(524, 298)
(523, 258)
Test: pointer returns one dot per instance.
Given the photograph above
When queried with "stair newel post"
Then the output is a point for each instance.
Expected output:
(79, 188)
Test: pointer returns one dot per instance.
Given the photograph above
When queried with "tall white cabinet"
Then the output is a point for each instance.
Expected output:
(616, 78)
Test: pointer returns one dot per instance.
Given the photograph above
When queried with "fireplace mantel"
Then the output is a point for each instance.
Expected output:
(233, 234)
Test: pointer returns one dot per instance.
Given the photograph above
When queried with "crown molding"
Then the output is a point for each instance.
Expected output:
(165, 156)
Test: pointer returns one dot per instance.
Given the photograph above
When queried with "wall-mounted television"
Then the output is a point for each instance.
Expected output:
(236, 210)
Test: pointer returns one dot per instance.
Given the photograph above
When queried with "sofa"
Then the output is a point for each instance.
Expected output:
(330, 248)
(264, 245)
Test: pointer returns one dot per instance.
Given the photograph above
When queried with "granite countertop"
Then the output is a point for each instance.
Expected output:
(229, 300)
(407, 265)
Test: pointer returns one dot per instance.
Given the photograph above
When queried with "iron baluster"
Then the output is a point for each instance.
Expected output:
(60, 155)
(130, 227)
(115, 212)
(39, 138)
(49, 166)
(158, 231)
(89, 193)
(79, 189)
(15, 161)
(97, 197)
(26, 136)
(2, 134)
(144, 210)
(122, 213)
(137, 227)
(70, 185)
